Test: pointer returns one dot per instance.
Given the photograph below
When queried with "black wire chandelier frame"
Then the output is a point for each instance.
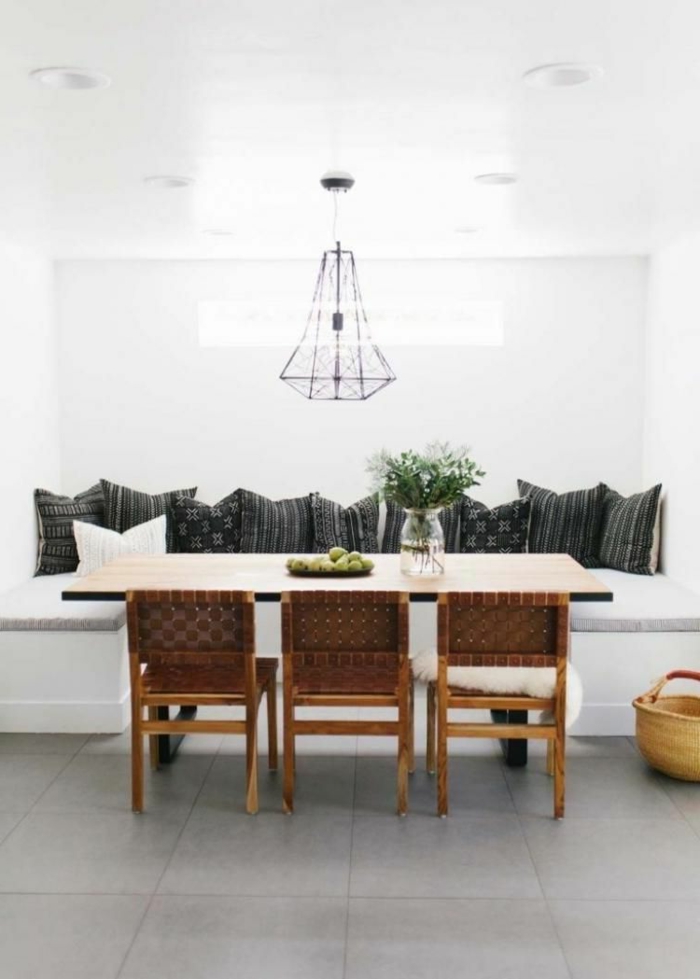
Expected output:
(336, 358)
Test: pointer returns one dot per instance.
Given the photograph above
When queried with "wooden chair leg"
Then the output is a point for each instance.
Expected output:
(412, 729)
(442, 694)
(153, 742)
(289, 767)
(403, 762)
(251, 735)
(288, 739)
(430, 741)
(550, 758)
(560, 740)
(136, 738)
(559, 778)
(251, 748)
(272, 723)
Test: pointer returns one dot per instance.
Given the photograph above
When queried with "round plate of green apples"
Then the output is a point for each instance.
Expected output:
(338, 561)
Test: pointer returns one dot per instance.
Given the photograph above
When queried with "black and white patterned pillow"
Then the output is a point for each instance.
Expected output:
(629, 537)
(126, 508)
(353, 527)
(275, 526)
(497, 530)
(203, 529)
(57, 550)
(566, 523)
(396, 516)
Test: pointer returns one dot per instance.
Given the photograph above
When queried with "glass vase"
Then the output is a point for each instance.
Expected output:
(422, 543)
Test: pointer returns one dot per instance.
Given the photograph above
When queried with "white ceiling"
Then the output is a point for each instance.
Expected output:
(256, 98)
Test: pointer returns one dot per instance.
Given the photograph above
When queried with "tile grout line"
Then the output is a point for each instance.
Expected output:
(41, 795)
(154, 892)
(684, 816)
(352, 836)
(374, 897)
(567, 964)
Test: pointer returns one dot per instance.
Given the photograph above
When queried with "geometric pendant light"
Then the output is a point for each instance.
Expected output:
(336, 359)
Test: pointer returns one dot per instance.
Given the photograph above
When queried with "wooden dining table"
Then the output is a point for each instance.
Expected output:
(266, 576)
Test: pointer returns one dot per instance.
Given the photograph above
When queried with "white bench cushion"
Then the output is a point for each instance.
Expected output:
(36, 605)
(642, 603)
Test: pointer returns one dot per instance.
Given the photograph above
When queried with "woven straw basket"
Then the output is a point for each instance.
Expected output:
(668, 729)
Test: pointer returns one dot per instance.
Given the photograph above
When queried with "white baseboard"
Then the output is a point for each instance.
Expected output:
(65, 718)
(604, 720)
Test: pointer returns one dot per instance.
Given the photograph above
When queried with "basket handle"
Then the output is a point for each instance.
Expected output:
(652, 695)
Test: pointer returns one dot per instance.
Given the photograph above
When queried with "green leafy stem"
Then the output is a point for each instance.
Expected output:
(435, 478)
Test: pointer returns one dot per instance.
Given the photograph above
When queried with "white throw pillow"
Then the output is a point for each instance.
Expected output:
(98, 546)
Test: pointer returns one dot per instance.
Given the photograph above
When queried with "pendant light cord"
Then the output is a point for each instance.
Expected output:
(335, 215)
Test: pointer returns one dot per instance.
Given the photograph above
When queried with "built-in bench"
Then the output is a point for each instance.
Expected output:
(620, 647)
(63, 665)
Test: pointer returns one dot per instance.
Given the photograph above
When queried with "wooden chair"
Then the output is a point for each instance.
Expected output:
(195, 648)
(347, 649)
(509, 629)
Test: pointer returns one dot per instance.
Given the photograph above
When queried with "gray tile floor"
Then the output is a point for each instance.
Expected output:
(195, 887)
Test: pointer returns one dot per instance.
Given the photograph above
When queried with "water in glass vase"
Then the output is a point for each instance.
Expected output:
(422, 543)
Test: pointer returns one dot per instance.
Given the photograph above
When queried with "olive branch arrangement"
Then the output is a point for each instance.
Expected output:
(426, 480)
(423, 483)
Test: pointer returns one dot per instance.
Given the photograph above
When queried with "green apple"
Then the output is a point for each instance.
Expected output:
(289, 562)
(367, 564)
(299, 564)
(354, 556)
(354, 565)
(341, 564)
(315, 564)
(336, 553)
(327, 565)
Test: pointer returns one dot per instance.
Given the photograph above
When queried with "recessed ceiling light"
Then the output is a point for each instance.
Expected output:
(167, 181)
(496, 179)
(562, 75)
(70, 78)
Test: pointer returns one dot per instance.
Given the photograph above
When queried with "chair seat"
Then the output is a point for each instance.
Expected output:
(474, 692)
(205, 678)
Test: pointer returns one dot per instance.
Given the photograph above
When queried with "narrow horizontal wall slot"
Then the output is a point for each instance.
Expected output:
(276, 322)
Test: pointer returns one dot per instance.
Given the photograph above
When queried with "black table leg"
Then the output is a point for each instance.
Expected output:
(168, 744)
(514, 749)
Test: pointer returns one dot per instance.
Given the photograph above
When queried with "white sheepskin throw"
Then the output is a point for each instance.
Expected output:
(528, 681)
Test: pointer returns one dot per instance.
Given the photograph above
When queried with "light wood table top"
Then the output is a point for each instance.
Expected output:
(266, 576)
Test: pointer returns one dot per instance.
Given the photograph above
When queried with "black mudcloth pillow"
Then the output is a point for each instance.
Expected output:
(275, 526)
(55, 514)
(126, 508)
(203, 529)
(566, 523)
(353, 527)
(497, 530)
(629, 537)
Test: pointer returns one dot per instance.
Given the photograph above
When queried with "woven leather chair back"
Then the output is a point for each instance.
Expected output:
(194, 627)
(503, 629)
(345, 640)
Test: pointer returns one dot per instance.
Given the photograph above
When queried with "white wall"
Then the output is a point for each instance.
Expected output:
(560, 403)
(28, 407)
(672, 439)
